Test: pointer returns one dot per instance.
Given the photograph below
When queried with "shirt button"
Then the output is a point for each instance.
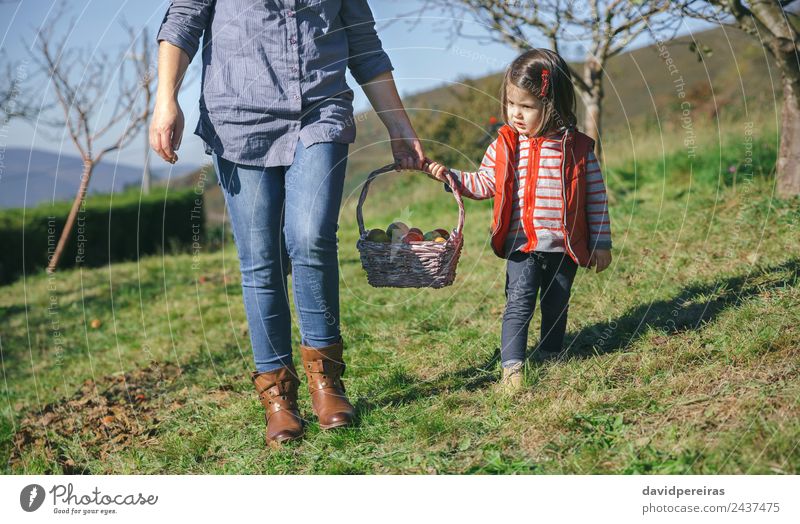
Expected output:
(297, 97)
(294, 69)
(293, 40)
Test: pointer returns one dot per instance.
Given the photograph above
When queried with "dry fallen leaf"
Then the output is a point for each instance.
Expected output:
(98, 413)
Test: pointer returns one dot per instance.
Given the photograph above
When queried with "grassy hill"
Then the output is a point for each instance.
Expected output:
(683, 357)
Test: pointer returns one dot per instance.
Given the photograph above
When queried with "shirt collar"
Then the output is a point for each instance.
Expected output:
(552, 136)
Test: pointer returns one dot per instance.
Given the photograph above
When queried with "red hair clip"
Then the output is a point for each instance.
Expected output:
(545, 82)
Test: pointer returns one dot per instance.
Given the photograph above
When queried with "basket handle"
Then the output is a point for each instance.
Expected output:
(391, 167)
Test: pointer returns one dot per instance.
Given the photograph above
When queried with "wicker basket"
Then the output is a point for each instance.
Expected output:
(416, 264)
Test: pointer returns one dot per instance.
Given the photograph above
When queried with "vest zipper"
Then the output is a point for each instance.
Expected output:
(564, 194)
(530, 188)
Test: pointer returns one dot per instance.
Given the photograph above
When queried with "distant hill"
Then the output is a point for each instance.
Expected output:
(31, 177)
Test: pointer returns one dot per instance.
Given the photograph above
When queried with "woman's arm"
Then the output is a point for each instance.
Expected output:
(166, 126)
(372, 69)
(179, 38)
(406, 147)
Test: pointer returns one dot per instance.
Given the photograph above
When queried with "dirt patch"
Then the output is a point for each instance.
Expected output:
(105, 416)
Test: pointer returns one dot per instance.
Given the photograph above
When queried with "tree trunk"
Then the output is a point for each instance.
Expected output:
(788, 165)
(88, 167)
(781, 38)
(591, 123)
(593, 101)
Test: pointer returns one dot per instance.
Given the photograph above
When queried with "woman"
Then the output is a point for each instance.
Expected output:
(276, 116)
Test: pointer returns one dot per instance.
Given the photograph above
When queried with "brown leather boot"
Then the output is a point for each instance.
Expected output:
(324, 368)
(277, 391)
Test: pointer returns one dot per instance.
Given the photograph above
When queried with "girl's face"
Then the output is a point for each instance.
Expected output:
(524, 109)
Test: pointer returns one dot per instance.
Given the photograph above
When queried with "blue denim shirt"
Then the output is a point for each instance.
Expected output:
(274, 70)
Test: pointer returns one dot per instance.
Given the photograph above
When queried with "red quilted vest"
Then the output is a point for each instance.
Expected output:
(575, 147)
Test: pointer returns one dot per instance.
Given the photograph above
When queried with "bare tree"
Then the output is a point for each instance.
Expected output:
(770, 22)
(604, 28)
(81, 81)
(11, 83)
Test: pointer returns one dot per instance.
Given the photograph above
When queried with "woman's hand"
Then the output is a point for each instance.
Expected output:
(166, 129)
(436, 171)
(600, 258)
(407, 149)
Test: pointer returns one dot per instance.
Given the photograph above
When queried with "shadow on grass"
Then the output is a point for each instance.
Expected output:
(403, 388)
(690, 310)
(695, 306)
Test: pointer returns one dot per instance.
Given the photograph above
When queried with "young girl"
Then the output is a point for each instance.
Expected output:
(550, 205)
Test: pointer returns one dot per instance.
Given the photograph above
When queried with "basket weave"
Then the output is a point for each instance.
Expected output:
(417, 264)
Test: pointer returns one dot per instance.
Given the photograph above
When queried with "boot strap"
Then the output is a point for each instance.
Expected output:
(326, 383)
(324, 374)
(328, 367)
(279, 397)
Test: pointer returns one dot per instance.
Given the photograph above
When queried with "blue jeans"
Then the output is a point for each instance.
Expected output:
(287, 213)
(526, 275)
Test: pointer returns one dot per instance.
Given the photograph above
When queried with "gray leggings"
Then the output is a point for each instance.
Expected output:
(526, 273)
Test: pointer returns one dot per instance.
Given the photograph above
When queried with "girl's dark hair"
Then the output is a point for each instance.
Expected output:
(558, 99)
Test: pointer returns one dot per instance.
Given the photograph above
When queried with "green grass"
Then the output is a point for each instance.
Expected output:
(683, 356)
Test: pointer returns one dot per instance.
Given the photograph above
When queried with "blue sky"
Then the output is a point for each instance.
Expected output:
(420, 55)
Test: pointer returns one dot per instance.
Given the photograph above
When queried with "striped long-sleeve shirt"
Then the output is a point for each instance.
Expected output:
(548, 196)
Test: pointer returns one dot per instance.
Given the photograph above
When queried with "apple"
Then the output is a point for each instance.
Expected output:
(415, 230)
(396, 231)
(396, 226)
(412, 236)
(443, 233)
(440, 240)
(396, 236)
(378, 235)
(431, 235)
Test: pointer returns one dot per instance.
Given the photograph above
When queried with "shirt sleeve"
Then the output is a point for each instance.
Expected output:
(184, 24)
(597, 206)
(367, 59)
(478, 185)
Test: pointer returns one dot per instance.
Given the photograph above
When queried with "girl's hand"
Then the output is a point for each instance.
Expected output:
(600, 258)
(436, 171)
